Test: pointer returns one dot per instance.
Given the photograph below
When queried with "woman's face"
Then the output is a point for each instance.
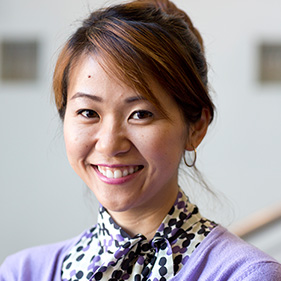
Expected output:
(121, 146)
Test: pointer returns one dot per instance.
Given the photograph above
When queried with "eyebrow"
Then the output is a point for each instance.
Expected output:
(84, 95)
(100, 99)
(135, 98)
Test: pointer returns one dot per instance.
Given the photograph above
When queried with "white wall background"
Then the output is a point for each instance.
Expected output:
(43, 201)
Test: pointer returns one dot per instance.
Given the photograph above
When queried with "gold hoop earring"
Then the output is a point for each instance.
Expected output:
(194, 160)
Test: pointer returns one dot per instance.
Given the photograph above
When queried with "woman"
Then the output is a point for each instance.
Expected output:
(131, 88)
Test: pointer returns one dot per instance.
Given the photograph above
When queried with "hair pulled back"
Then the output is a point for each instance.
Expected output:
(137, 41)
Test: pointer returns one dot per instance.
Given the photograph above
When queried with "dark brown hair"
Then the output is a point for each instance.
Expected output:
(137, 40)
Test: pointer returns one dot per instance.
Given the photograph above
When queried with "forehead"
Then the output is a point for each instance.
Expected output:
(88, 74)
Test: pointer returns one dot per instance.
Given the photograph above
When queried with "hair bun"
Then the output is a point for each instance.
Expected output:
(171, 9)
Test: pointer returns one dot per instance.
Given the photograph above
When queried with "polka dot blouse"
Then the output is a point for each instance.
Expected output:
(106, 252)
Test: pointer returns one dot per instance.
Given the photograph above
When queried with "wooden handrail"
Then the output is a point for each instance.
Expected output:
(257, 221)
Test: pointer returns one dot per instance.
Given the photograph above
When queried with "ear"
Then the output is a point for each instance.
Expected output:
(198, 130)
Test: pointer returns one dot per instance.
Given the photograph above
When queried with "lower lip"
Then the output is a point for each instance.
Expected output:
(115, 181)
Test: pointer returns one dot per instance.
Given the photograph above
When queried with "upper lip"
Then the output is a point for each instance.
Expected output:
(116, 165)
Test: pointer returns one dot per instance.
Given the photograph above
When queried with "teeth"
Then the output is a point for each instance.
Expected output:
(109, 174)
(125, 173)
(101, 171)
(116, 173)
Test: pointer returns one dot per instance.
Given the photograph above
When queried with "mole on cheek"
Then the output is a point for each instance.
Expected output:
(89, 76)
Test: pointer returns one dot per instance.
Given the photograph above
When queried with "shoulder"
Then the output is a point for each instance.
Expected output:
(37, 263)
(224, 256)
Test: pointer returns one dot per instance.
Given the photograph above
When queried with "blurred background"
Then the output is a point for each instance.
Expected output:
(43, 201)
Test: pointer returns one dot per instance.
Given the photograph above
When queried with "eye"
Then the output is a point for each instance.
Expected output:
(88, 113)
(141, 114)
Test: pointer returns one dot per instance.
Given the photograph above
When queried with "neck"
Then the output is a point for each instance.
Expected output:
(145, 220)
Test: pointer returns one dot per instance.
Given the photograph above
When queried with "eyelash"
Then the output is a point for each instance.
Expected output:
(141, 114)
(147, 114)
(85, 113)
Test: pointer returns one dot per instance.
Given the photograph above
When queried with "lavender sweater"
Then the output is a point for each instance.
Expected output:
(221, 256)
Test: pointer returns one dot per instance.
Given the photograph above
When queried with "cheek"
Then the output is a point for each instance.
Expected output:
(164, 146)
(75, 143)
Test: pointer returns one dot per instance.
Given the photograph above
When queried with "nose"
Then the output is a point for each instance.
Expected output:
(112, 139)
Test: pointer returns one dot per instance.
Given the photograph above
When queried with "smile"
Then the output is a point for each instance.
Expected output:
(120, 172)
